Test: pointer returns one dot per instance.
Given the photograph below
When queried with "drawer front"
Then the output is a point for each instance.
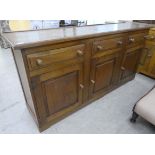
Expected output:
(107, 44)
(43, 59)
(136, 39)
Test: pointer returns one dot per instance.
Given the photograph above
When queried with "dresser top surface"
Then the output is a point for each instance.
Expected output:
(25, 39)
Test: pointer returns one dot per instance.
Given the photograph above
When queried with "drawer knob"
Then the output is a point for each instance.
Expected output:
(149, 37)
(152, 37)
(39, 62)
(100, 47)
(122, 68)
(92, 81)
(146, 37)
(81, 86)
(80, 53)
(132, 40)
(120, 42)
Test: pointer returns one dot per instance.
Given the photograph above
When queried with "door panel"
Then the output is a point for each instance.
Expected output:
(147, 65)
(144, 60)
(152, 63)
(130, 63)
(153, 69)
(61, 90)
(151, 58)
(104, 73)
(146, 57)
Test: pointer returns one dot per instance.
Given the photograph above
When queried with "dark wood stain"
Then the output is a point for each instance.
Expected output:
(60, 78)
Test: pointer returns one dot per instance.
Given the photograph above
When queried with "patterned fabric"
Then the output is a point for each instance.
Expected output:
(146, 107)
(4, 27)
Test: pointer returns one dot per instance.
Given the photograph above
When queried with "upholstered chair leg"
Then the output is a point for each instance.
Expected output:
(134, 117)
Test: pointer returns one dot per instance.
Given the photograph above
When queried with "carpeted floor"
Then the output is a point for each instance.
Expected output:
(110, 114)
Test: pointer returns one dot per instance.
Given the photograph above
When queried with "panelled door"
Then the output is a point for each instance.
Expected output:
(130, 63)
(104, 73)
(59, 91)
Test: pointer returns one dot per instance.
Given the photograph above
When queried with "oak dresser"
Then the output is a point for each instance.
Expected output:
(62, 70)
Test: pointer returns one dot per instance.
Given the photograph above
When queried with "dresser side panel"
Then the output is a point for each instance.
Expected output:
(24, 82)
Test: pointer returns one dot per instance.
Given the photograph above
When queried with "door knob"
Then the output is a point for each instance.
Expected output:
(100, 47)
(92, 81)
(149, 37)
(149, 55)
(146, 37)
(152, 37)
(80, 53)
(39, 62)
(132, 40)
(81, 86)
(122, 68)
(120, 42)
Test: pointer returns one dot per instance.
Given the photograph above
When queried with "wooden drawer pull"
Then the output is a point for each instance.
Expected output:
(132, 40)
(39, 62)
(122, 68)
(120, 42)
(149, 37)
(92, 81)
(100, 47)
(81, 86)
(149, 55)
(80, 53)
